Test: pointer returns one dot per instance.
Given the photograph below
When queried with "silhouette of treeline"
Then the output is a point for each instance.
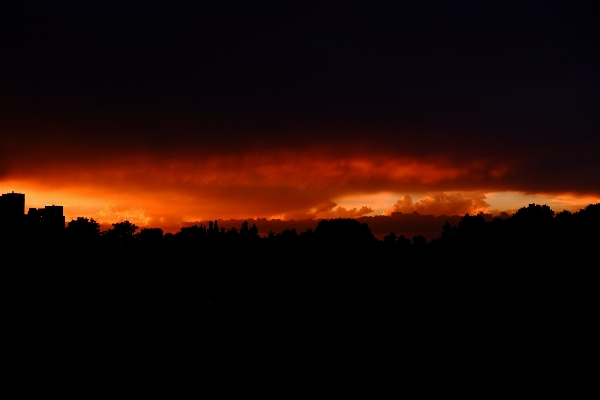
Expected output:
(83, 230)
(509, 282)
(528, 230)
(535, 225)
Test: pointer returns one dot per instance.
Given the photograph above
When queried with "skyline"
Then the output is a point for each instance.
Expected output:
(400, 219)
(169, 113)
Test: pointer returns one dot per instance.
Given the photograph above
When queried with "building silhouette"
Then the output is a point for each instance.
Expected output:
(12, 213)
(38, 222)
(45, 221)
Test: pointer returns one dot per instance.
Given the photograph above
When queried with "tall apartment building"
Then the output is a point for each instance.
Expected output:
(12, 212)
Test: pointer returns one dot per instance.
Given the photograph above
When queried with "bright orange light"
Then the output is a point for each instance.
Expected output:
(167, 192)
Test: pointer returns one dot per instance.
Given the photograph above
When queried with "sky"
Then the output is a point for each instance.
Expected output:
(166, 113)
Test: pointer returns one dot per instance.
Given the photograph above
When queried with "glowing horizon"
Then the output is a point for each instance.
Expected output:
(353, 111)
(112, 209)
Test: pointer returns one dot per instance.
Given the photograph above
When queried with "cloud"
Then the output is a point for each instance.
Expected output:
(175, 183)
(330, 210)
(404, 205)
(261, 143)
(291, 184)
(115, 213)
(442, 204)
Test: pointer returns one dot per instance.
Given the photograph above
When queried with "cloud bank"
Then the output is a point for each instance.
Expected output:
(198, 111)
(442, 204)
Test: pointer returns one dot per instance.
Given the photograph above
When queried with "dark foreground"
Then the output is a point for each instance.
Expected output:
(491, 303)
(140, 305)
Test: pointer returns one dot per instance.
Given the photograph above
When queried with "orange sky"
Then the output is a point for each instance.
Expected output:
(310, 184)
(172, 114)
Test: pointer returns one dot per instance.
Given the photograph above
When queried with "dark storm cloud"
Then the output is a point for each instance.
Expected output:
(284, 60)
(505, 93)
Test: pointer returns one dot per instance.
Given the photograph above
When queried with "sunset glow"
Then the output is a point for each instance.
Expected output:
(256, 113)
(113, 205)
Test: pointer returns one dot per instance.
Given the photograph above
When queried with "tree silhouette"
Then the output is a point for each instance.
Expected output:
(419, 241)
(448, 231)
(122, 232)
(534, 214)
(83, 229)
(471, 229)
(531, 223)
(150, 235)
(253, 232)
(287, 236)
(403, 243)
(244, 229)
(391, 238)
(344, 231)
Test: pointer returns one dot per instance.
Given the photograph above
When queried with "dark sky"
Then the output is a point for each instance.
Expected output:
(505, 93)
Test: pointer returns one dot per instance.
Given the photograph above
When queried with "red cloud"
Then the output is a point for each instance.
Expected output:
(442, 204)
(168, 188)
(332, 210)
